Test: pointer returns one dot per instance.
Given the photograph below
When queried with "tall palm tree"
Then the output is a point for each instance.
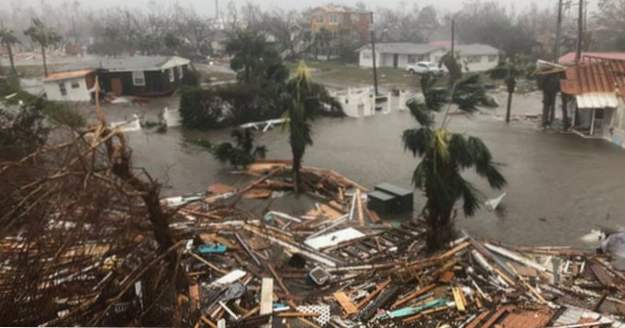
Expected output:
(255, 59)
(8, 39)
(304, 100)
(446, 155)
(44, 36)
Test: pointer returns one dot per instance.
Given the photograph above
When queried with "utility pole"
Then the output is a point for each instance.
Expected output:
(556, 48)
(453, 37)
(217, 11)
(580, 31)
(375, 69)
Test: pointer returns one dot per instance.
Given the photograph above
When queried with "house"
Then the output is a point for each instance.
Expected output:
(337, 19)
(596, 87)
(130, 76)
(70, 86)
(474, 57)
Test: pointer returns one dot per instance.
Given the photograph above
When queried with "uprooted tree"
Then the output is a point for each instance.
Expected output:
(83, 232)
(445, 155)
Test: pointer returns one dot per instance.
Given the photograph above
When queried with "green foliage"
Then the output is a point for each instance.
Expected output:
(41, 34)
(241, 153)
(445, 156)
(22, 129)
(201, 109)
(254, 59)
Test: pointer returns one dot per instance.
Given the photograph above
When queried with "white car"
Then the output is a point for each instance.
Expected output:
(424, 68)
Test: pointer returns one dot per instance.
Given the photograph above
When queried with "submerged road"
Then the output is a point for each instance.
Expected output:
(560, 185)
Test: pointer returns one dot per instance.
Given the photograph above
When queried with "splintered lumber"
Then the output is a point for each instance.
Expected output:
(378, 289)
(361, 215)
(459, 299)
(346, 303)
(382, 300)
(266, 296)
(279, 280)
(247, 249)
(515, 257)
(406, 299)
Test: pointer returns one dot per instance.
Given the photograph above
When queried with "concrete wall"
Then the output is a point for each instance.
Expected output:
(80, 93)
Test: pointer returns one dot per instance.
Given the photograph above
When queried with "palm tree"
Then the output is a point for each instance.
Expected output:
(254, 59)
(304, 100)
(44, 36)
(445, 155)
(8, 39)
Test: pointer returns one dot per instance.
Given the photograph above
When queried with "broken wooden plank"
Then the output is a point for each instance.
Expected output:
(346, 303)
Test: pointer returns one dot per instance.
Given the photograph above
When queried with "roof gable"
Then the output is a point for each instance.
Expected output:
(128, 63)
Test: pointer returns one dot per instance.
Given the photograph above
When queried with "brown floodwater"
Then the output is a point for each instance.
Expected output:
(559, 185)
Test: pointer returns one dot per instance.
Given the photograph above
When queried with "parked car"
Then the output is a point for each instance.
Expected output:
(424, 68)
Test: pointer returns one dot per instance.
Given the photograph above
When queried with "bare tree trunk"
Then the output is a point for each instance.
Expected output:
(297, 175)
(11, 59)
(45, 64)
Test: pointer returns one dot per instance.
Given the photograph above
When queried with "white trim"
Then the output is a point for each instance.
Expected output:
(138, 78)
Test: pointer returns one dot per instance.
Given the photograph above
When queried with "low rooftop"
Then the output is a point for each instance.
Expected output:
(127, 63)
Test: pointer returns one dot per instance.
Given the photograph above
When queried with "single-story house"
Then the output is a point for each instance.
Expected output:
(70, 86)
(122, 76)
(596, 89)
(475, 57)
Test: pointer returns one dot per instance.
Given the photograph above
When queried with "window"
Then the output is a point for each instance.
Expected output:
(172, 78)
(138, 78)
(334, 19)
(493, 58)
(366, 54)
(75, 85)
(62, 89)
(319, 19)
(473, 59)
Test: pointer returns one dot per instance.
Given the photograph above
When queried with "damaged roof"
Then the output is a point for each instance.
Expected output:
(595, 83)
(68, 75)
(128, 63)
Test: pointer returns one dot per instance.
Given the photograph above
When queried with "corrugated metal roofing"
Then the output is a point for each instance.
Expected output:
(569, 58)
(573, 315)
(595, 83)
(597, 100)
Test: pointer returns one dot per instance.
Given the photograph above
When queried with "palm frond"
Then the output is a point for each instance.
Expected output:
(471, 202)
(419, 112)
(459, 151)
(418, 141)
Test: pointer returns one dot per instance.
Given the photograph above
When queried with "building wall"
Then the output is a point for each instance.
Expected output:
(616, 133)
(336, 21)
(157, 83)
(474, 63)
(479, 63)
(77, 90)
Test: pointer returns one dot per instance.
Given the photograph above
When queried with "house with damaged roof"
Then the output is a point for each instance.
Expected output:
(595, 88)
(143, 76)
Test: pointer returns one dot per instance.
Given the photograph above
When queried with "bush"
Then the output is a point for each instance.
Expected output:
(202, 109)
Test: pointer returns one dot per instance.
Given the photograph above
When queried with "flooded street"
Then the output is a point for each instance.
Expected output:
(560, 186)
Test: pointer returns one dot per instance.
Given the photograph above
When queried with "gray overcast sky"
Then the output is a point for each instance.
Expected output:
(207, 6)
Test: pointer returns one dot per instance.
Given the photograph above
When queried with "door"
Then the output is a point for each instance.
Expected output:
(117, 86)
(395, 60)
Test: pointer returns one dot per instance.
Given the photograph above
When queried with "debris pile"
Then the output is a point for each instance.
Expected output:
(339, 265)
(335, 264)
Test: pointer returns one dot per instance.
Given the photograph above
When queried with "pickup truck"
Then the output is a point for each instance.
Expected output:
(424, 68)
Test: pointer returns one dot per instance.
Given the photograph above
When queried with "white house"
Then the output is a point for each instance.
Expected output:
(473, 57)
(70, 86)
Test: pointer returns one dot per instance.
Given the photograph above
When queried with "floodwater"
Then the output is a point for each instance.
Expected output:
(559, 185)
